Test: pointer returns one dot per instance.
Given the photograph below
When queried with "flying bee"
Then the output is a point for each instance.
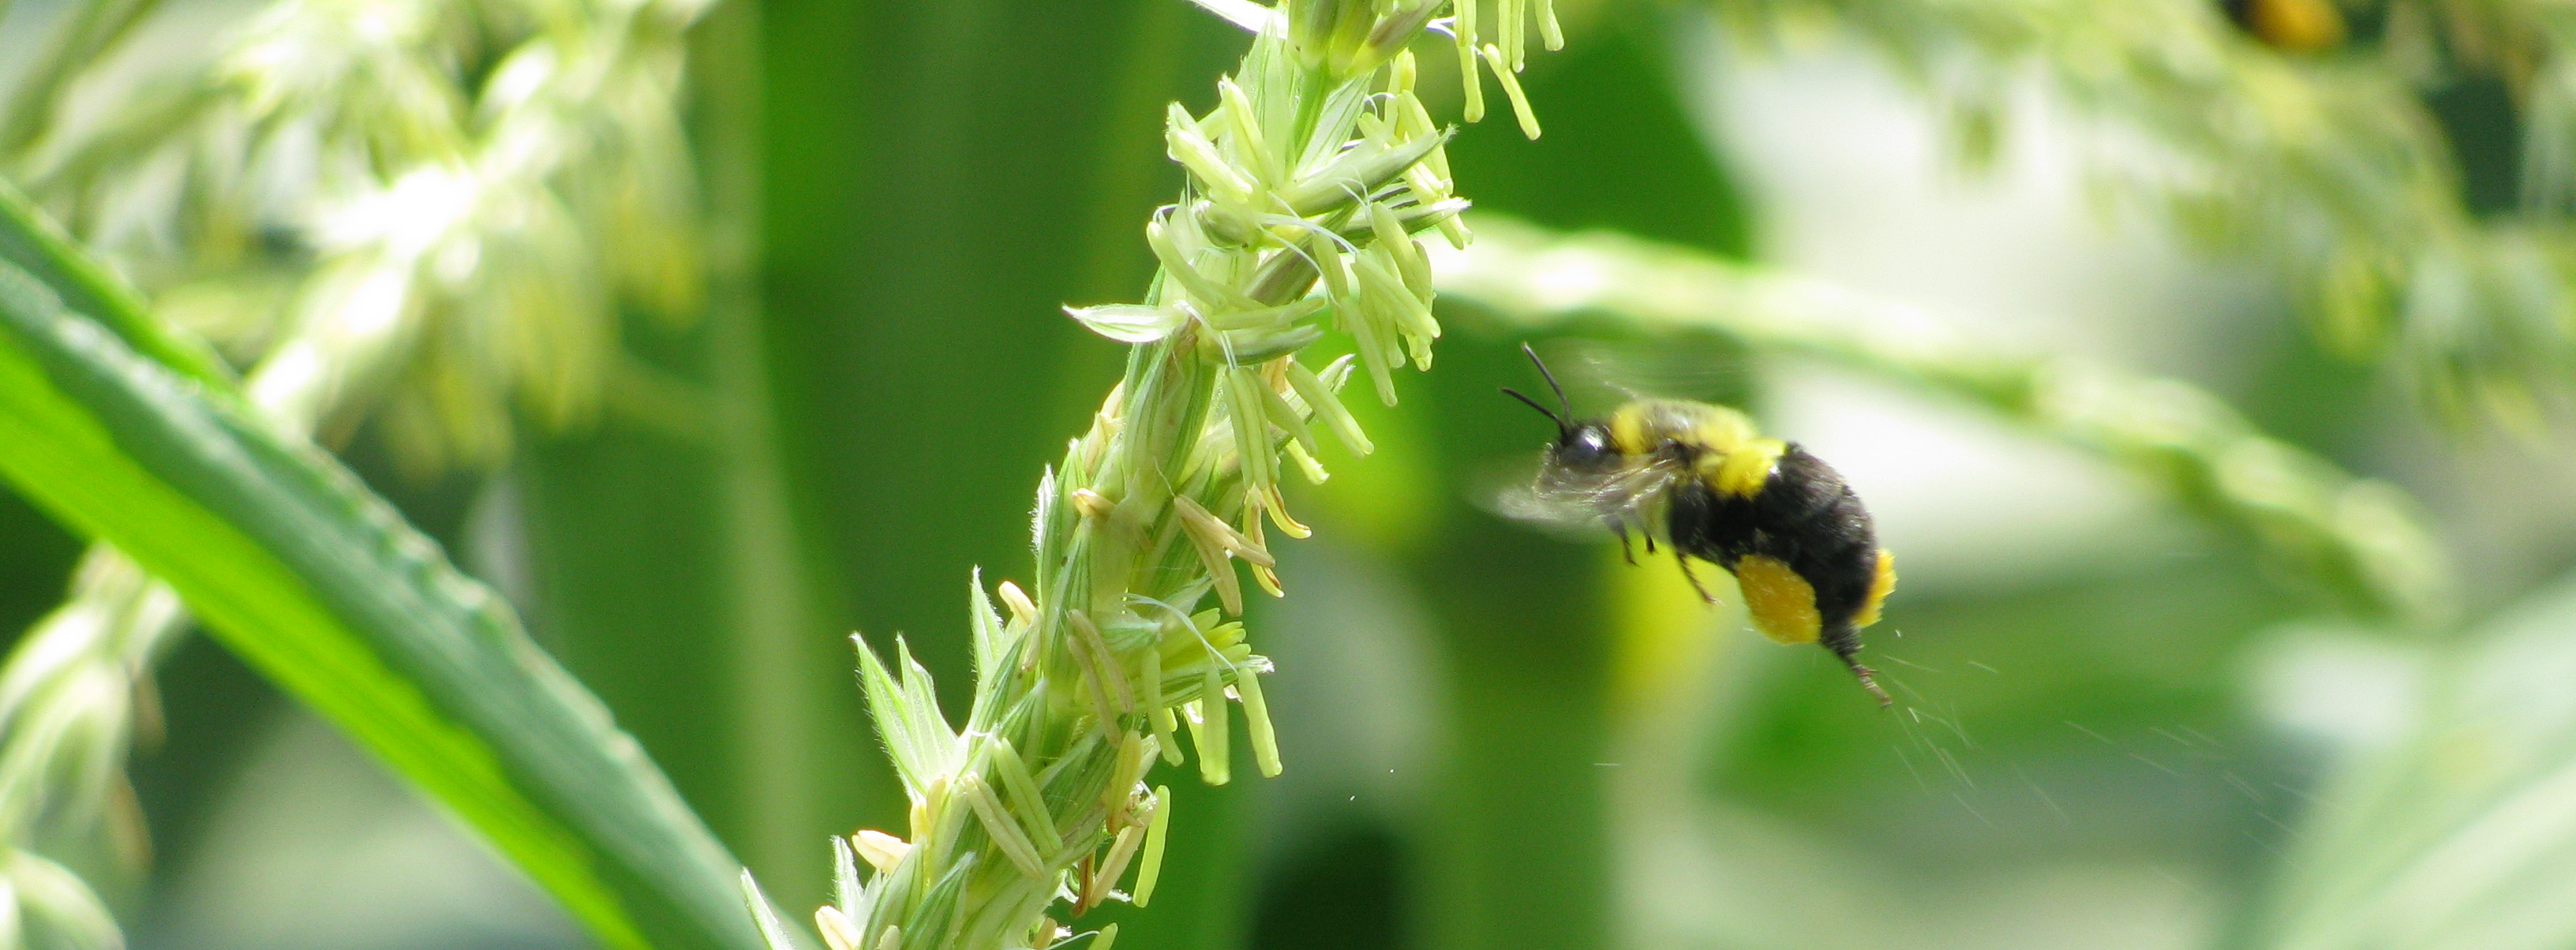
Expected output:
(1704, 481)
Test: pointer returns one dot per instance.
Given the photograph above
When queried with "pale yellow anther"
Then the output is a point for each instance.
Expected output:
(1183, 141)
(1196, 519)
(1246, 124)
(1156, 830)
(1210, 729)
(924, 814)
(882, 851)
(1512, 88)
(1267, 498)
(1256, 721)
(838, 932)
(1026, 799)
(1103, 663)
(1122, 849)
(1005, 833)
(1470, 83)
(1024, 611)
(1306, 463)
(1326, 405)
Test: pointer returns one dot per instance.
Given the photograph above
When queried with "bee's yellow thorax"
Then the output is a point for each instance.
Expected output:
(1628, 430)
(1643, 426)
(1783, 604)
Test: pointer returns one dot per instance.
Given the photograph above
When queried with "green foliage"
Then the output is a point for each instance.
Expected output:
(443, 204)
(2454, 835)
(2331, 168)
(325, 588)
(35, 246)
(329, 194)
(793, 353)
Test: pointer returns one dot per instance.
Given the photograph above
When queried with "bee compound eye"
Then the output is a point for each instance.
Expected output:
(1587, 447)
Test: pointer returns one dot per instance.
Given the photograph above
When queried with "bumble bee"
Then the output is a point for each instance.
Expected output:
(1702, 479)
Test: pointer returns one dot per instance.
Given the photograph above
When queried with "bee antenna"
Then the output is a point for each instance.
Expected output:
(1551, 415)
(1551, 384)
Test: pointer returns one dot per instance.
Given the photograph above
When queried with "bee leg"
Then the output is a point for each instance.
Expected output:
(1684, 561)
(1843, 640)
(1868, 680)
(1624, 550)
(1650, 541)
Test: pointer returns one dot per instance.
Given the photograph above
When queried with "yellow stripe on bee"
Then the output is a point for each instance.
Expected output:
(1881, 584)
(1720, 429)
(1628, 429)
(1783, 604)
(1746, 469)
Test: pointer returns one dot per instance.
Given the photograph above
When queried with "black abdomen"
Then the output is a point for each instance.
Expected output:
(1804, 516)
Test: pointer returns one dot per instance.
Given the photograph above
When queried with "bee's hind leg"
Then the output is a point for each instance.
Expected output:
(1684, 561)
(1620, 528)
(1844, 641)
(1868, 679)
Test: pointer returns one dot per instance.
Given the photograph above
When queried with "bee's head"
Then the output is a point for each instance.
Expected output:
(1581, 445)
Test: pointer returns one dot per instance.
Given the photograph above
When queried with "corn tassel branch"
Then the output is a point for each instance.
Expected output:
(1308, 182)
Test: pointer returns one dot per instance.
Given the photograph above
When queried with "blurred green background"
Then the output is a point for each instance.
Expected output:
(2123, 727)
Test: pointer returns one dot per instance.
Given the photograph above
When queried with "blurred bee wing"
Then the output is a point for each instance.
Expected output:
(1573, 507)
(1510, 490)
(1556, 517)
(1673, 368)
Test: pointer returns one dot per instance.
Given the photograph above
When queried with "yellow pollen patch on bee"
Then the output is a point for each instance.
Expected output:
(1748, 468)
(1881, 583)
(1783, 604)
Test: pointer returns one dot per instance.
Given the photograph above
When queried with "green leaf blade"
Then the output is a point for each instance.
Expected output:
(324, 588)
(2455, 835)
(34, 244)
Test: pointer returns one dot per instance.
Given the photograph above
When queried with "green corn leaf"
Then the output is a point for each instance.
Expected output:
(32, 243)
(2462, 836)
(318, 583)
